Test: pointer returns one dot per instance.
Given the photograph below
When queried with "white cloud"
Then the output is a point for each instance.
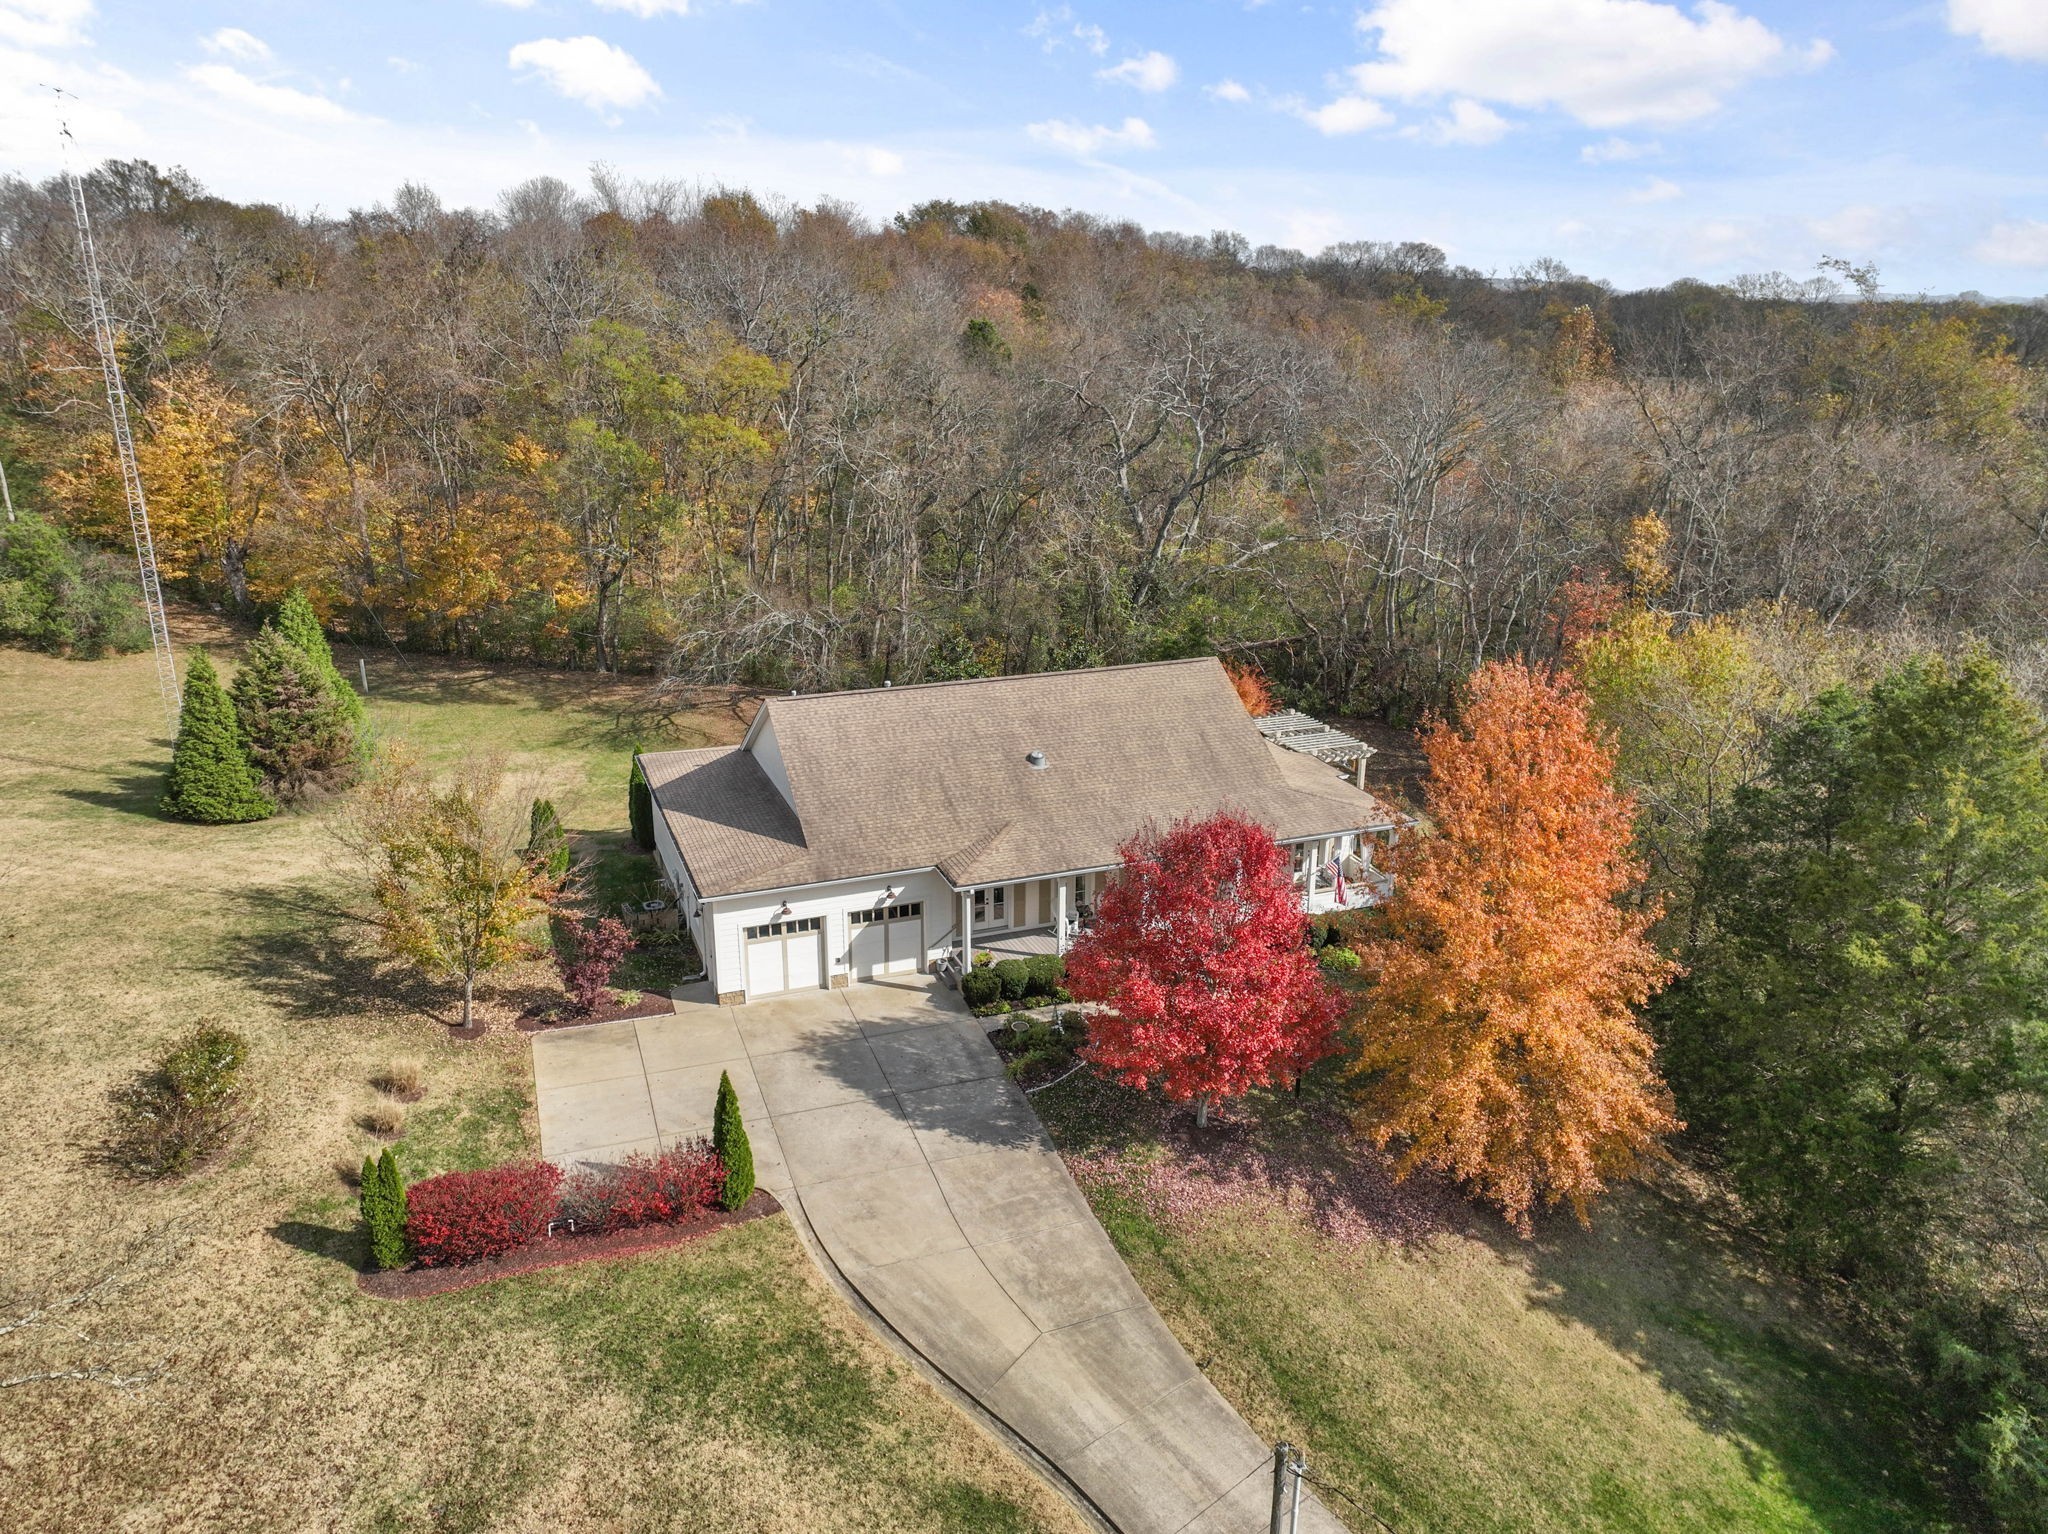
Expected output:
(1607, 151)
(1347, 114)
(1054, 28)
(1228, 90)
(1149, 72)
(1656, 189)
(1080, 139)
(873, 160)
(2014, 29)
(236, 88)
(587, 69)
(44, 23)
(1863, 227)
(646, 9)
(1607, 63)
(402, 64)
(2020, 242)
(1467, 123)
(234, 43)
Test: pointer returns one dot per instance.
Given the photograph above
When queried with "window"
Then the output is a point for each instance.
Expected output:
(991, 906)
(886, 913)
(784, 928)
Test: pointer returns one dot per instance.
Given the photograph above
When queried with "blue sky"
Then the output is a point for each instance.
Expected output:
(1633, 139)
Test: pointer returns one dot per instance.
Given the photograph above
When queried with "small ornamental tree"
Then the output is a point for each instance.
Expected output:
(300, 735)
(453, 890)
(1499, 1040)
(1197, 951)
(594, 952)
(210, 780)
(735, 1151)
(297, 621)
(1253, 690)
(383, 1206)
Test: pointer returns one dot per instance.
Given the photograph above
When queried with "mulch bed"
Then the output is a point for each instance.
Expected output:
(650, 1004)
(558, 1252)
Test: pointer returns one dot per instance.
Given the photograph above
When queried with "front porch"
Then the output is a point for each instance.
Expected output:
(1027, 944)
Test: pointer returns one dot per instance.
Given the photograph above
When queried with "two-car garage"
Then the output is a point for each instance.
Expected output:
(789, 955)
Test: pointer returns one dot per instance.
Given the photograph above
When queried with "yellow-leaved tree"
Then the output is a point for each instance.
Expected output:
(1499, 1037)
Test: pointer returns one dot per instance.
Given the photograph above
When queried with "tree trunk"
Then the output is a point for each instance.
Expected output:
(468, 998)
(1202, 1111)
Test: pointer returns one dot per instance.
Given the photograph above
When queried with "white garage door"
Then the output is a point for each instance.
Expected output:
(886, 941)
(785, 956)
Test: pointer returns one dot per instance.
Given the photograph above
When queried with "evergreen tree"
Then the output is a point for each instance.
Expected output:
(729, 1139)
(547, 841)
(210, 780)
(383, 1208)
(1873, 994)
(640, 806)
(300, 735)
(297, 621)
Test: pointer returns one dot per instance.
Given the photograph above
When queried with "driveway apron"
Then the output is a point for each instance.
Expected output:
(883, 1114)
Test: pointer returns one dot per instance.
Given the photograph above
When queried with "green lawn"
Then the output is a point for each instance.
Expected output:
(721, 1386)
(1648, 1374)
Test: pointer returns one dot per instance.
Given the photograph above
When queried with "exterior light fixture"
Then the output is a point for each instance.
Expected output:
(785, 911)
(888, 896)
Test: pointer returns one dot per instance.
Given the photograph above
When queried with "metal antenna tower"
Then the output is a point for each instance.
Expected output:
(124, 445)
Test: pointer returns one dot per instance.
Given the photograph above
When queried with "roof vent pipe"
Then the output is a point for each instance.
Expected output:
(1035, 759)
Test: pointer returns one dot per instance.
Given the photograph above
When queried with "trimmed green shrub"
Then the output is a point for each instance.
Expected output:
(1320, 932)
(183, 1110)
(297, 621)
(1014, 975)
(547, 841)
(1043, 974)
(640, 806)
(210, 780)
(729, 1139)
(299, 733)
(383, 1206)
(66, 598)
(1338, 959)
(980, 988)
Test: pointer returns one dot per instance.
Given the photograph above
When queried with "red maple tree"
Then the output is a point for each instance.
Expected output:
(1499, 1040)
(1198, 951)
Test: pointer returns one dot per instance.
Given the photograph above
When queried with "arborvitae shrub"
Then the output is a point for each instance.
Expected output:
(300, 735)
(210, 780)
(547, 841)
(640, 807)
(383, 1205)
(297, 621)
(729, 1140)
(180, 1112)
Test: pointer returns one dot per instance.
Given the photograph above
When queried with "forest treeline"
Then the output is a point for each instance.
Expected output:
(650, 429)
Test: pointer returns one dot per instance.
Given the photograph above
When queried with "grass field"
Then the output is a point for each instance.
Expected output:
(720, 1386)
(1646, 1375)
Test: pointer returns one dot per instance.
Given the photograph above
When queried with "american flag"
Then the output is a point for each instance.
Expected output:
(1335, 874)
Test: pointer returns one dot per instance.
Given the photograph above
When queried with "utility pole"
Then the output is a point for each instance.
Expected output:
(124, 446)
(1288, 1469)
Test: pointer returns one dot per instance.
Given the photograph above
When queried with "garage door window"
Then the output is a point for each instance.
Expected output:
(887, 913)
(784, 928)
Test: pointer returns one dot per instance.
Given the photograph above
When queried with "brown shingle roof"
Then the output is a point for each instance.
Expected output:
(891, 779)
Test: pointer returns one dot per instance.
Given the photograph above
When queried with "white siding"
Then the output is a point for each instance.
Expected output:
(731, 916)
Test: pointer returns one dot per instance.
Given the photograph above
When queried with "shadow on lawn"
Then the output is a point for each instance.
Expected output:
(310, 956)
(1686, 1296)
(342, 1246)
(134, 792)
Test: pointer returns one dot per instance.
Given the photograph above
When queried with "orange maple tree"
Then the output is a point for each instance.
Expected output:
(1253, 690)
(1499, 1037)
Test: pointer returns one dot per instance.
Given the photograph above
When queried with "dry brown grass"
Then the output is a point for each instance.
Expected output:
(400, 1080)
(717, 1387)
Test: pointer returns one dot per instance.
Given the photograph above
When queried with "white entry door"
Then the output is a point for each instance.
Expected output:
(785, 956)
(888, 940)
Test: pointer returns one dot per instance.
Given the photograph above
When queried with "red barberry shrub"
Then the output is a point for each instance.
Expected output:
(679, 1184)
(463, 1217)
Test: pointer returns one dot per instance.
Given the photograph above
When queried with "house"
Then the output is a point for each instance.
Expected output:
(854, 835)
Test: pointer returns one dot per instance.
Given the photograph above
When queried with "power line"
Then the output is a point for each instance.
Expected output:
(124, 441)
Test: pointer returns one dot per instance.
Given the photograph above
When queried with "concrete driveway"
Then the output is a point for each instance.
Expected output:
(882, 1117)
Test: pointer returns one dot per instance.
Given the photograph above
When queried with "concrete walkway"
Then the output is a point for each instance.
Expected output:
(882, 1116)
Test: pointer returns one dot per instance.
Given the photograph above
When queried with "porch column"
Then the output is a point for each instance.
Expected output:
(1308, 897)
(966, 930)
(1059, 916)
